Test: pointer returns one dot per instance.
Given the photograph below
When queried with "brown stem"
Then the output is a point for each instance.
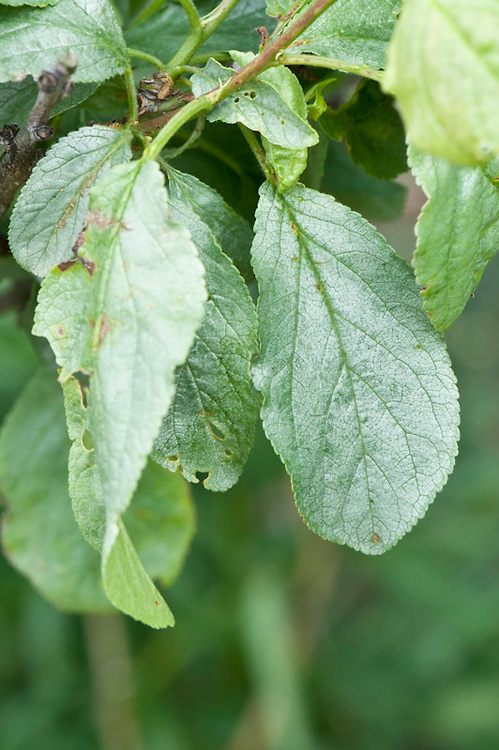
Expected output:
(270, 52)
(20, 145)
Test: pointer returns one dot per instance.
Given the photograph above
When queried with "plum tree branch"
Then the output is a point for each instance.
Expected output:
(267, 57)
(20, 145)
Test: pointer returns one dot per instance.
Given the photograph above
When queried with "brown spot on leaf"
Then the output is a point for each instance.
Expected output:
(375, 538)
(60, 332)
(319, 287)
(105, 327)
(65, 265)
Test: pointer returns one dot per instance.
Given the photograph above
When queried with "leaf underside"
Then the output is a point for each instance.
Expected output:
(360, 400)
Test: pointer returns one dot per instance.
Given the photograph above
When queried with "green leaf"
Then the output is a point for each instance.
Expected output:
(373, 132)
(443, 67)
(211, 423)
(458, 232)
(32, 39)
(231, 231)
(352, 31)
(376, 200)
(17, 99)
(288, 164)
(51, 208)
(126, 314)
(161, 520)
(125, 579)
(37, 3)
(258, 105)
(360, 400)
(40, 536)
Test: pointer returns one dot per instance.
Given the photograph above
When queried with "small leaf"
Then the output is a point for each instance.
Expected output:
(443, 67)
(288, 164)
(40, 536)
(126, 314)
(50, 211)
(258, 105)
(458, 232)
(373, 132)
(211, 423)
(360, 400)
(352, 31)
(32, 39)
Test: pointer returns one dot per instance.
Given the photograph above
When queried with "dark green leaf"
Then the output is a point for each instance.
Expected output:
(377, 200)
(211, 423)
(373, 132)
(360, 400)
(40, 535)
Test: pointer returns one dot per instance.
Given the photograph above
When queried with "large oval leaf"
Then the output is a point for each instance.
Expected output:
(360, 400)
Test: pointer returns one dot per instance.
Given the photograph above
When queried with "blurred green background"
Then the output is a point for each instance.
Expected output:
(284, 641)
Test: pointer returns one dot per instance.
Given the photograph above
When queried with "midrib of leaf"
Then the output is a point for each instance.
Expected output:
(350, 371)
(304, 253)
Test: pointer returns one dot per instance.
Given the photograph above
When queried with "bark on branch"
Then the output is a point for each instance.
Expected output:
(20, 145)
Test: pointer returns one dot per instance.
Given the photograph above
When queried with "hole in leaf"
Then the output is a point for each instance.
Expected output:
(253, 94)
(172, 459)
(202, 476)
(216, 431)
(86, 440)
(228, 453)
(236, 100)
(84, 381)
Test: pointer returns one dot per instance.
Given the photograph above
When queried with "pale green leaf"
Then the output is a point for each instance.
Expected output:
(211, 423)
(458, 232)
(258, 105)
(160, 520)
(32, 39)
(126, 314)
(352, 31)
(37, 3)
(40, 536)
(50, 211)
(288, 164)
(443, 67)
(360, 400)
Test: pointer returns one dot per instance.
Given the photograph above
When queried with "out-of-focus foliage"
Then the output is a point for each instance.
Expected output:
(286, 641)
